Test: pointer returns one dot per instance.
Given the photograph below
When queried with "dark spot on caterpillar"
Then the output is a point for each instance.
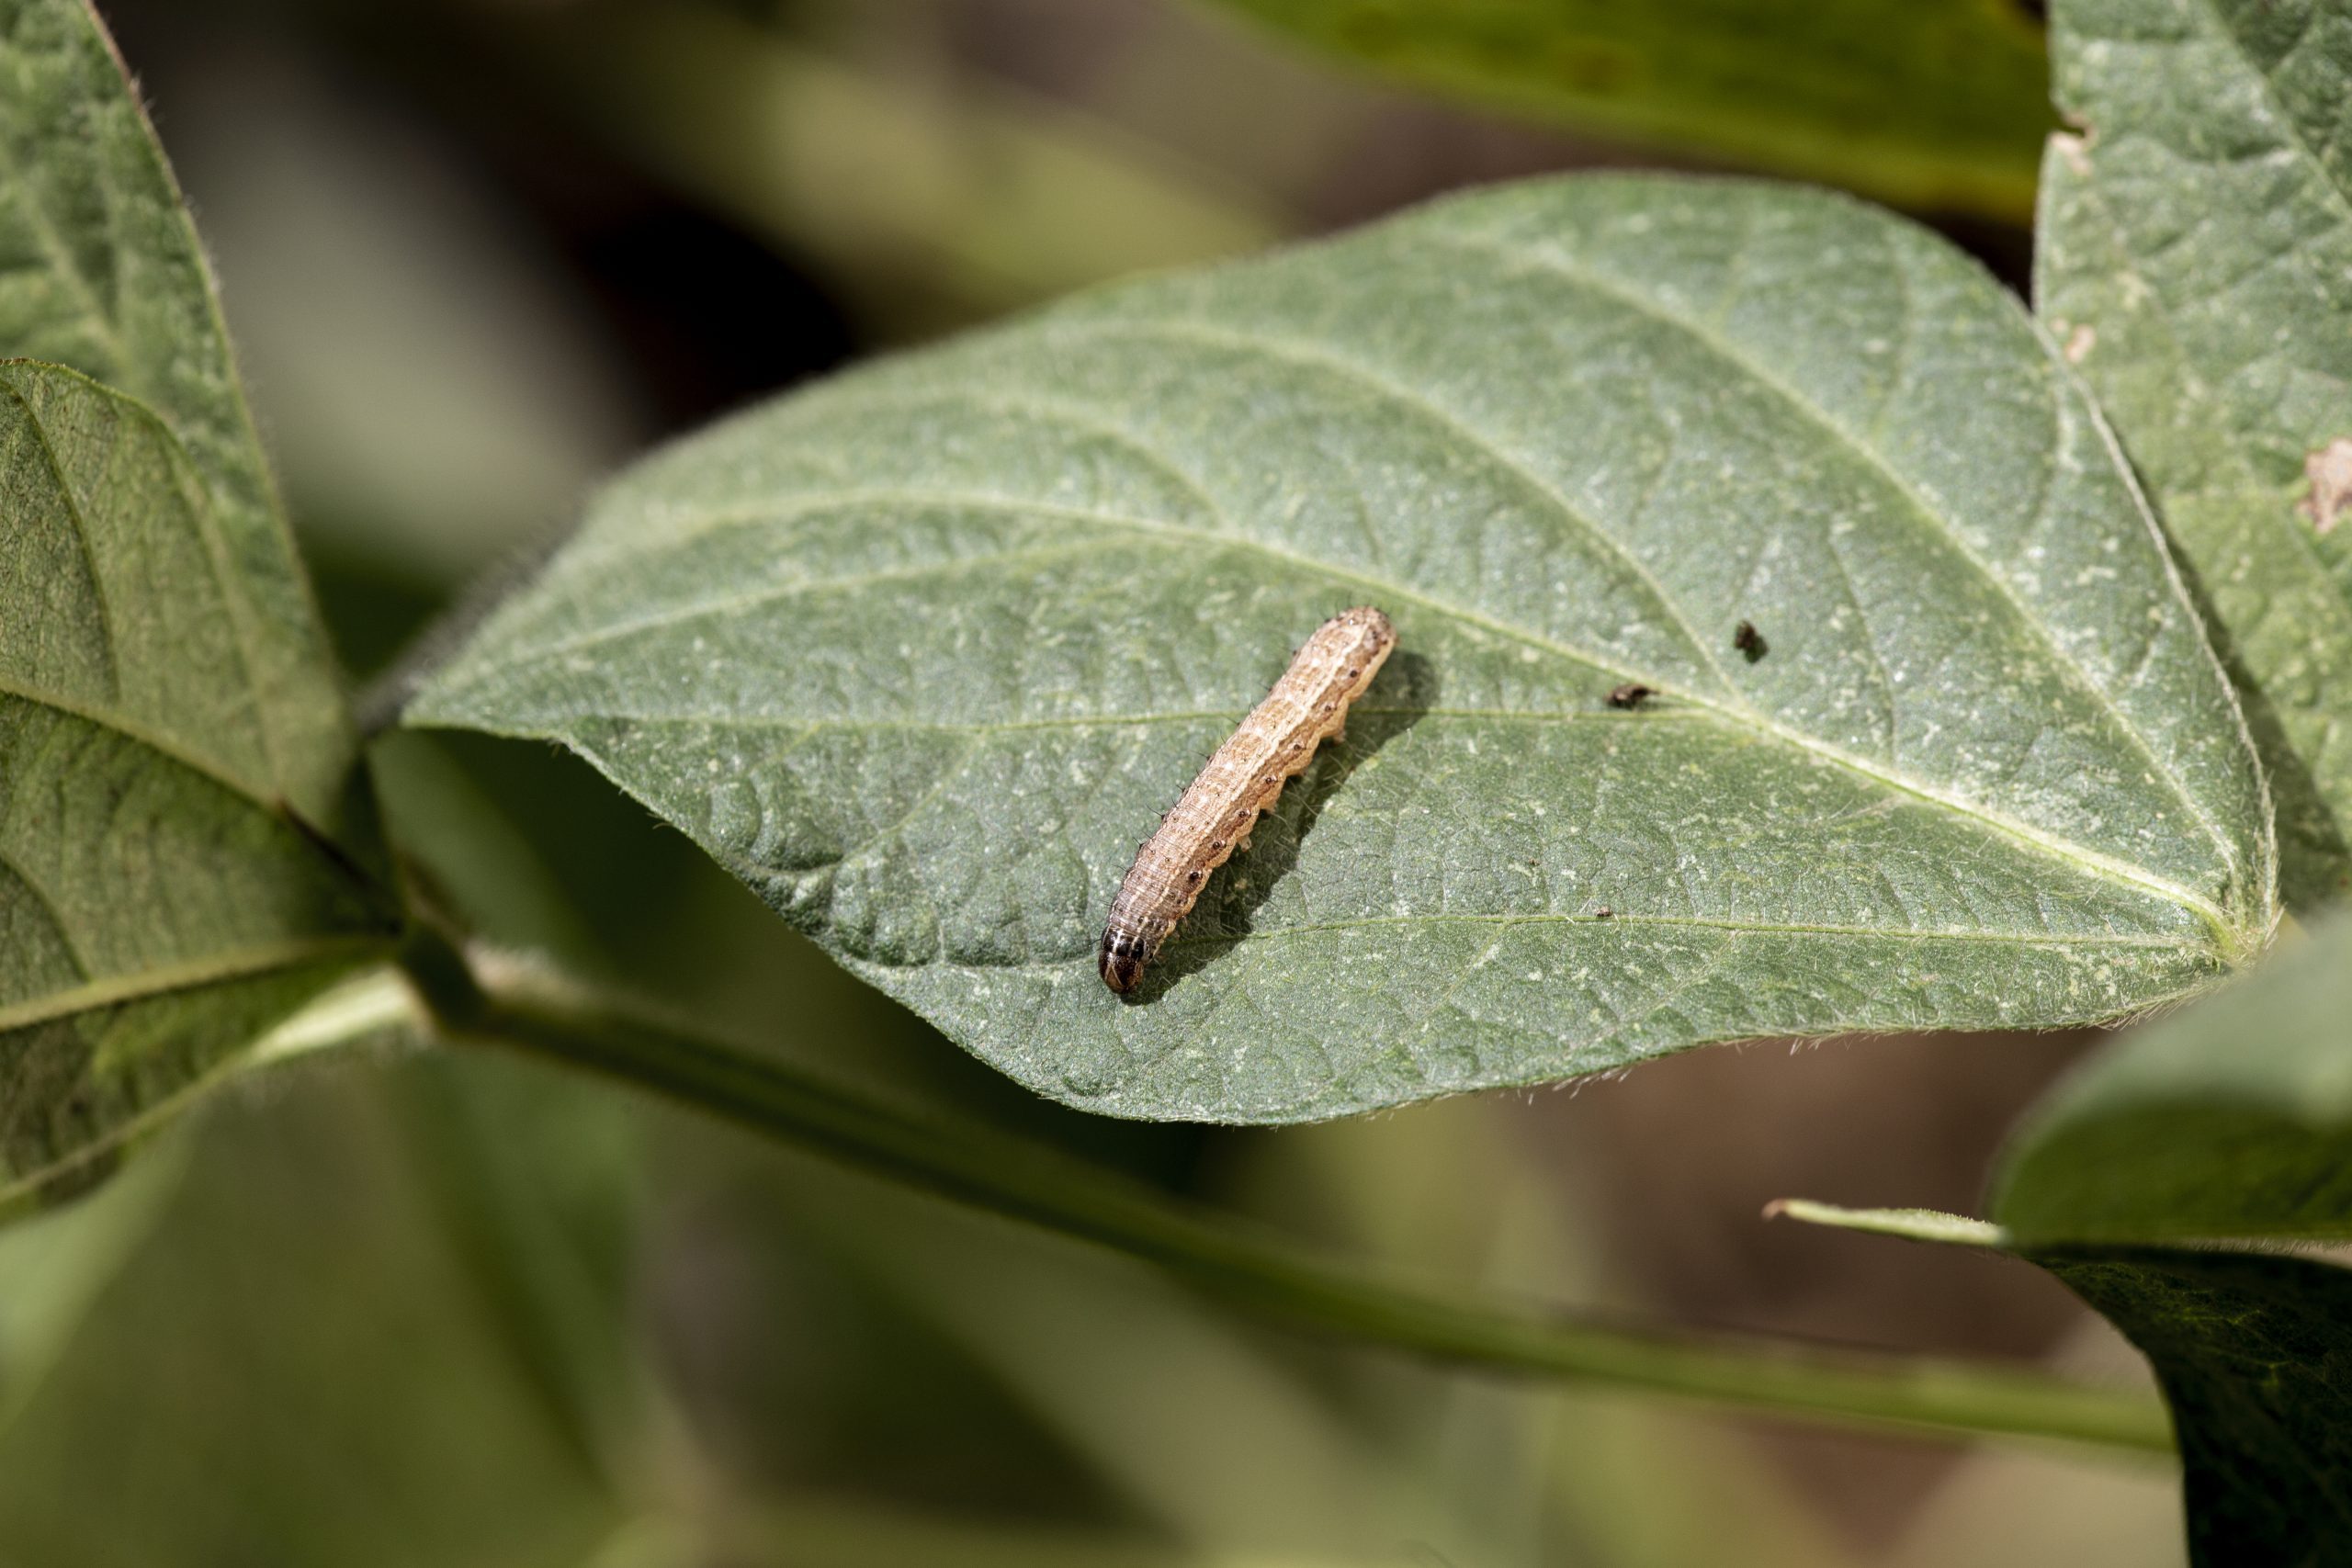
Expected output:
(1749, 641)
(1632, 695)
(1191, 876)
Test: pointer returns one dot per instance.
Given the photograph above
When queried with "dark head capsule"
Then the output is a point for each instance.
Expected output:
(1123, 960)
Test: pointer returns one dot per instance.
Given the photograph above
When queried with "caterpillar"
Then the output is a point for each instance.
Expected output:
(1213, 816)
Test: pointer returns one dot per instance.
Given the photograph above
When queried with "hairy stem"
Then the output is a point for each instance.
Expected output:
(484, 1000)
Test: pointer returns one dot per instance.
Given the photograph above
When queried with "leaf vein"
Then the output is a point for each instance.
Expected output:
(1319, 358)
(2090, 861)
(133, 730)
(1739, 360)
(166, 979)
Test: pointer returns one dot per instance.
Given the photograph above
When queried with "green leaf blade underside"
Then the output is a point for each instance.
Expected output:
(1934, 104)
(2249, 1350)
(924, 653)
(2233, 1117)
(160, 909)
(2195, 254)
(100, 270)
(2250, 1353)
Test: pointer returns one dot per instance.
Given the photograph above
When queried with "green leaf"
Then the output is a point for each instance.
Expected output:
(54, 1267)
(100, 270)
(922, 653)
(1930, 103)
(2254, 1360)
(300, 1357)
(2252, 1355)
(160, 907)
(2233, 1119)
(182, 825)
(2195, 255)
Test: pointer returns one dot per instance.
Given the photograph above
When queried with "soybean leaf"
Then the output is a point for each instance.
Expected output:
(2232, 1119)
(57, 1265)
(1930, 103)
(2252, 1358)
(100, 270)
(2195, 256)
(175, 765)
(303, 1356)
(2255, 1364)
(922, 653)
(159, 906)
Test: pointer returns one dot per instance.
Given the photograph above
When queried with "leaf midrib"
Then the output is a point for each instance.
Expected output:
(1615, 922)
(755, 874)
(2083, 859)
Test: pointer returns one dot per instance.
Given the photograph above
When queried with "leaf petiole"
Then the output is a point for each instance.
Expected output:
(483, 999)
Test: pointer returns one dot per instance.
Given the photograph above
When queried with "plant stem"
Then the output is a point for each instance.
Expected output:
(487, 1001)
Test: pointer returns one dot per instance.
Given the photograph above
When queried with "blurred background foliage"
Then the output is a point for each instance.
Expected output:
(403, 1309)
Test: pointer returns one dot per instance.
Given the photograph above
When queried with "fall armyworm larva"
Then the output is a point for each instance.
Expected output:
(1307, 706)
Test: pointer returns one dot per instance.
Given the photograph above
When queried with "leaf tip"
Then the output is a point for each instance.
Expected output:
(1911, 1225)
